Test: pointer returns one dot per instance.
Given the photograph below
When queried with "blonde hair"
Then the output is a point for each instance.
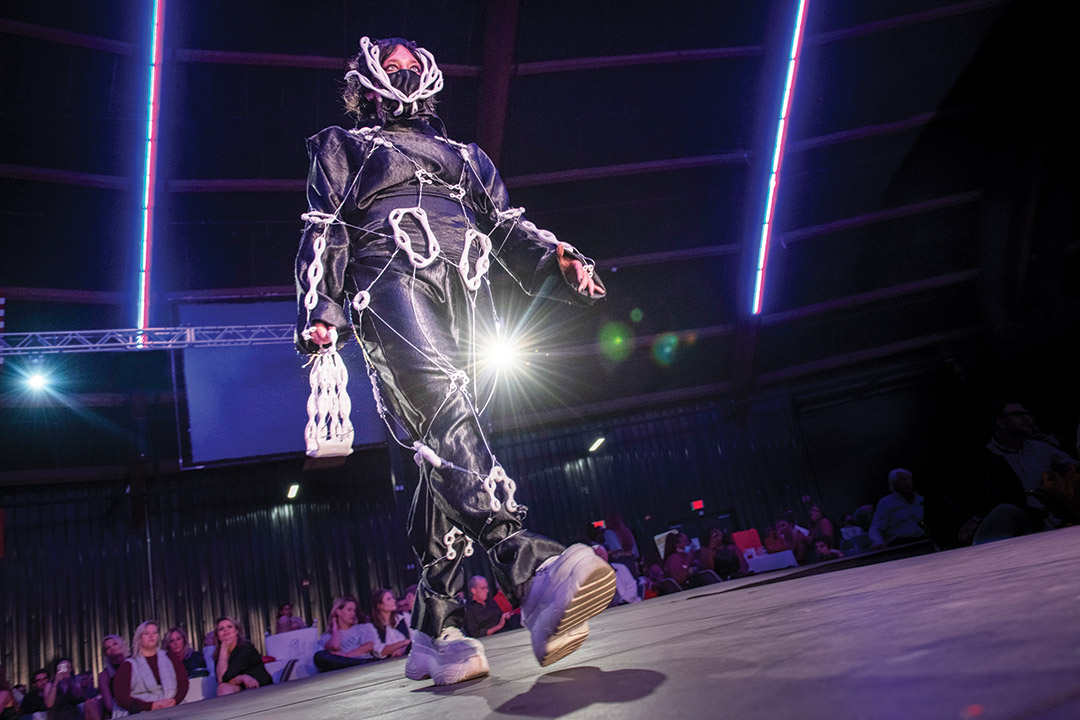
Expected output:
(136, 639)
(340, 603)
(240, 639)
(105, 655)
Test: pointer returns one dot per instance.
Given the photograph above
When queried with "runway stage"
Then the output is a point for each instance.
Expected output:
(985, 632)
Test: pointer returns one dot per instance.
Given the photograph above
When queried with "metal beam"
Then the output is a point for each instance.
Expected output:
(149, 339)
(65, 177)
(314, 62)
(879, 216)
(66, 37)
(638, 168)
(899, 21)
(499, 32)
(620, 61)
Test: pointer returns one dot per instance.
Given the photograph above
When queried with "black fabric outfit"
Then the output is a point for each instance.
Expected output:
(245, 660)
(420, 325)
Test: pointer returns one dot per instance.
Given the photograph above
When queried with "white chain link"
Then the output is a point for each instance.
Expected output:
(450, 539)
(403, 241)
(329, 431)
(483, 263)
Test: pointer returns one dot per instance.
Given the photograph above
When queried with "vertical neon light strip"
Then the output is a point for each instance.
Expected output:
(153, 97)
(778, 156)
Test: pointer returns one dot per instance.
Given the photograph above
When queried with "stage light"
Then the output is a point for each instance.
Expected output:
(37, 381)
(596, 444)
(637, 315)
(293, 490)
(153, 103)
(778, 157)
(502, 354)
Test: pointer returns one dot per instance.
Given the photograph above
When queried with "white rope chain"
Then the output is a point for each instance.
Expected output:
(329, 432)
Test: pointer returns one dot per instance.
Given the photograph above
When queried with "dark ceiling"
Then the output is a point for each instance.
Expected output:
(921, 215)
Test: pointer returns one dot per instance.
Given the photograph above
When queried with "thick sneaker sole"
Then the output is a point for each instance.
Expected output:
(592, 597)
(476, 666)
(459, 664)
(559, 646)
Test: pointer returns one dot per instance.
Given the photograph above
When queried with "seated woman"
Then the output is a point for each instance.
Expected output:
(723, 556)
(149, 679)
(346, 644)
(238, 664)
(386, 632)
(64, 694)
(678, 558)
(285, 620)
(9, 707)
(176, 643)
(115, 651)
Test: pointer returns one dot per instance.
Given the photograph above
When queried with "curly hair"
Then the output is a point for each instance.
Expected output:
(366, 106)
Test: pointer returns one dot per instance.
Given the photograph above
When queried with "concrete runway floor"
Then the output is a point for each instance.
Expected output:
(986, 632)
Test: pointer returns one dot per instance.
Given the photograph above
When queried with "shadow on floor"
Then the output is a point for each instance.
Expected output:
(565, 691)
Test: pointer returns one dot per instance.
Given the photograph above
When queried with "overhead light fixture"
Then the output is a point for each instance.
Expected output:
(293, 490)
(596, 444)
(37, 381)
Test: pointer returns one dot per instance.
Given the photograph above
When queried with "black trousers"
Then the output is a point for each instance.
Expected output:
(418, 334)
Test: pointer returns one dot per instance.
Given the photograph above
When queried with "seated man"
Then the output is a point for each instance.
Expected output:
(1017, 439)
(898, 518)
(483, 616)
(34, 700)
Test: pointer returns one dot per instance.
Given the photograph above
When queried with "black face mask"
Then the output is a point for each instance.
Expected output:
(405, 81)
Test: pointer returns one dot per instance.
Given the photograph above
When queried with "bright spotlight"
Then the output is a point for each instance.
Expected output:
(37, 381)
(503, 354)
(293, 489)
(596, 444)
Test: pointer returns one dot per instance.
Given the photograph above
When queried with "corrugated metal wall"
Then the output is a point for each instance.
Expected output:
(84, 561)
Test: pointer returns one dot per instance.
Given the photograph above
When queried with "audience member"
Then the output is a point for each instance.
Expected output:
(678, 558)
(149, 679)
(619, 541)
(594, 533)
(9, 707)
(238, 664)
(176, 643)
(1017, 438)
(285, 620)
(824, 550)
(723, 556)
(626, 587)
(899, 515)
(115, 651)
(405, 605)
(34, 700)
(388, 634)
(483, 616)
(821, 526)
(66, 692)
(345, 645)
(790, 536)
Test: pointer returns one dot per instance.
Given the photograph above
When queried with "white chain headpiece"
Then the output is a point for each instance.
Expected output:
(431, 78)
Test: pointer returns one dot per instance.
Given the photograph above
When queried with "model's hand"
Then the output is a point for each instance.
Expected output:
(320, 333)
(576, 274)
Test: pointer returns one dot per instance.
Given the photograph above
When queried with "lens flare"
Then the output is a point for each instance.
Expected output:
(616, 341)
(664, 348)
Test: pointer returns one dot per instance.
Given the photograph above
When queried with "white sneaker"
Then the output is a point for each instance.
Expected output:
(449, 659)
(564, 593)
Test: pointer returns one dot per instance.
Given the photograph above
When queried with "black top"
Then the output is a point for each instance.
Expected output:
(481, 618)
(246, 660)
